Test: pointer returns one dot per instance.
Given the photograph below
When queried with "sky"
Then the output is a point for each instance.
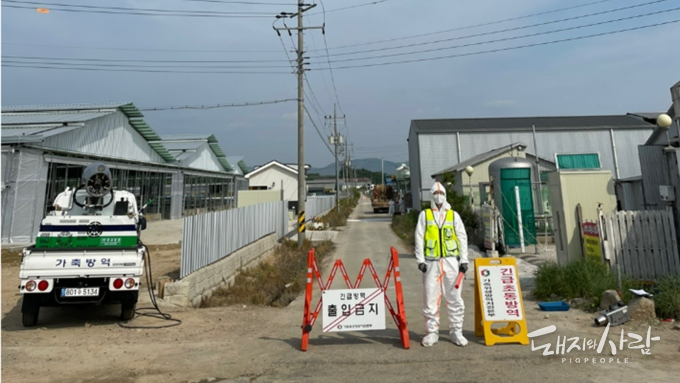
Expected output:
(609, 74)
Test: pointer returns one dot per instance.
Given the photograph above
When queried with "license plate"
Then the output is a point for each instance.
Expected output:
(81, 292)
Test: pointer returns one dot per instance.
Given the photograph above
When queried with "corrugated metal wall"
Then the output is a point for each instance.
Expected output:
(177, 195)
(110, 136)
(25, 199)
(10, 168)
(207, 238)
(654, 173)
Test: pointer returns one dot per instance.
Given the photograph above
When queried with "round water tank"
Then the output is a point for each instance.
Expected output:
(403, 172)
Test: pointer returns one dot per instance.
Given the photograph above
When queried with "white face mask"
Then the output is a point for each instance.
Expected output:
(438, 199)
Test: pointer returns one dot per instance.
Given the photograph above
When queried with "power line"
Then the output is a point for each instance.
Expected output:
(215, 106)
(474, 25)
(141, 49)
(380, 146)
(133, 11)
(139, 60)
(330, 68)
(143, 66)
(46, 66)
(510, 38)
(318, 131)
(509, 48)
(313, 98)
(283, 45)
(323, 75)
(311, 90)
(506, 30)
(352, 7)
(233, 2)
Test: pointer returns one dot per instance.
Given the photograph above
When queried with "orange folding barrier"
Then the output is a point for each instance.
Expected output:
(309, 317)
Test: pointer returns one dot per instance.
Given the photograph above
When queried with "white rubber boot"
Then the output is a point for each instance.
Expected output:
(430, 339)
(458, 339)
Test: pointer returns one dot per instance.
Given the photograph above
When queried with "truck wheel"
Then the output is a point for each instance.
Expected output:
(29, 319)
(127, 312)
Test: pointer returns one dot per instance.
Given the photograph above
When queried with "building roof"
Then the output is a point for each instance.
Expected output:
(50, 117)
(182, 146)
(237, 161)
(191, 142)
(478, 159)
(126, 107)
(21, 121)
(273, 163)
(525, 124)
(658, 132)
(649, 117)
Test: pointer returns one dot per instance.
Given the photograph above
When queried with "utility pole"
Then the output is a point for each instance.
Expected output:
(302, 187)
(344, 173)
(336, 140)
(382, 170)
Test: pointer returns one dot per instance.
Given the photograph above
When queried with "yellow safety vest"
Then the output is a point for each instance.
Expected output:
(440, 242)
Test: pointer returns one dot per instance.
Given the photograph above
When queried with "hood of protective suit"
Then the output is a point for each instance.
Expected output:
(438, 187)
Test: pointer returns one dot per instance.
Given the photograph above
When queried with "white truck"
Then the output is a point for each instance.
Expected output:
(87, 250)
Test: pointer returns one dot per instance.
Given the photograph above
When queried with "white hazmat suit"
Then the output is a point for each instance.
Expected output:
(440, 275)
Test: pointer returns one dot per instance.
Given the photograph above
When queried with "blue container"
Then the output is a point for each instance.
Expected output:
(554, 306)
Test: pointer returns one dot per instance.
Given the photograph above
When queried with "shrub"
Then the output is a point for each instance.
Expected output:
(588, 279)
(582, 279)
(667, 297)
(404, 226)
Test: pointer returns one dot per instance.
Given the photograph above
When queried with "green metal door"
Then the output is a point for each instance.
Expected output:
(521, 178)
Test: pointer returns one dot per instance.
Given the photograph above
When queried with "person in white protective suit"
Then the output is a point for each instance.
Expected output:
(441, 252)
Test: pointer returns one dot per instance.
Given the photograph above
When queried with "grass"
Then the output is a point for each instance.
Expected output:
(336, 218)
(276, 281)
(667, 297)
(404, 226)
(588, 279)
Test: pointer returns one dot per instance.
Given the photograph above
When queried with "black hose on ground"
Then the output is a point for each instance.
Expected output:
(158, 314)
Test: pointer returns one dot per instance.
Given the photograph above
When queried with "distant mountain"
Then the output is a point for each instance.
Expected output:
(372, 164)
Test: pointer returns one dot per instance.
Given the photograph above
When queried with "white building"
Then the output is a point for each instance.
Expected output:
(435, 145)
(275, 175)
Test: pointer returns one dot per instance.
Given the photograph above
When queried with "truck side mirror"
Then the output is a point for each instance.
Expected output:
(142, 223)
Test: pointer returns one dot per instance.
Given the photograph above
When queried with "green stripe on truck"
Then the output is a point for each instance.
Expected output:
(69, 241)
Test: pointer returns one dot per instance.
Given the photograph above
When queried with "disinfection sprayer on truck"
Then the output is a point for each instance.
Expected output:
(87, 251)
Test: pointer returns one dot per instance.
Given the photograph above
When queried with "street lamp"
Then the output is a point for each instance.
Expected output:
(664, 122)
(469, 170)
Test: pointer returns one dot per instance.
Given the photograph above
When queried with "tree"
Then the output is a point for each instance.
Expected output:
(459, 203)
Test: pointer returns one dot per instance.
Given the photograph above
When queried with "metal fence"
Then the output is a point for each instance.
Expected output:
(209, 237)
(641, 243)
(315, 206)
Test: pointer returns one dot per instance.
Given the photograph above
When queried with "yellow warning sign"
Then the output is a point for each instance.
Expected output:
(498, 300)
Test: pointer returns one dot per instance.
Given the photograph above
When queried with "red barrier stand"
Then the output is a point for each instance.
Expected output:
(309, 317)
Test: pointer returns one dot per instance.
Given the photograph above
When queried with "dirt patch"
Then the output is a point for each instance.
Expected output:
(165, 261)
(11, 257)
(276, 281)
